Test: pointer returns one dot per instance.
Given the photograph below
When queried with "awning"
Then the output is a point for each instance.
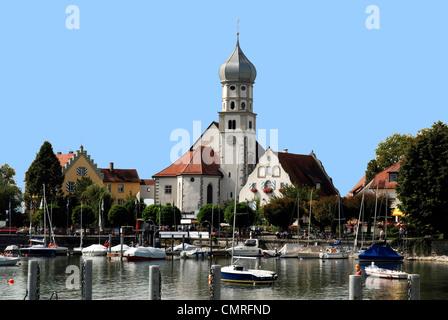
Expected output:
(397, 213)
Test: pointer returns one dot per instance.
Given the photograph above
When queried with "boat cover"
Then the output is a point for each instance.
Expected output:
(377, 252)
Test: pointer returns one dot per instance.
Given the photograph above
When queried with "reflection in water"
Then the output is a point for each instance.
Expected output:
(187, 279)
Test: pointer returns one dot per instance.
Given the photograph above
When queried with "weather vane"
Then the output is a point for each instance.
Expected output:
(237, 27)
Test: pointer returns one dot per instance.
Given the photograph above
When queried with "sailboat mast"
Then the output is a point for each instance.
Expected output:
(234, 208)
(44, 203)
(309, 219)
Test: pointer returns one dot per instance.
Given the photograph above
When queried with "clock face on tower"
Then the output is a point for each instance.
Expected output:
(231, 140)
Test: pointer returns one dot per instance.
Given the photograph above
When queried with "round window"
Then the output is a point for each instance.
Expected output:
(243, 88)
(232, 87)
(192, 179)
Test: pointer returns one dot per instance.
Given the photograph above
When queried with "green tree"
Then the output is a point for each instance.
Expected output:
(281, 212)
(205, 214)
(81, 186)
(119, 215)
(44, 170)
(99, 198)
(422, 184)
(10, 194)
(388, 152)
(170, 216)
(244, 215)
(88, 216)
(151, 212)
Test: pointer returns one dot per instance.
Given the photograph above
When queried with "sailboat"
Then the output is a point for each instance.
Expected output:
(78, 250)
(38, 247)
(378, 252)
(308, 251)
(237, 273)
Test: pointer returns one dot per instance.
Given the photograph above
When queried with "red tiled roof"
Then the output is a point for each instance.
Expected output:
(64, 158)
(147, 182)
(201, 161)
(381, 180)
(120, 175)
(304, 170)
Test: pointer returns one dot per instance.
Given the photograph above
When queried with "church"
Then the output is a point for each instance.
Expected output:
(218, 165)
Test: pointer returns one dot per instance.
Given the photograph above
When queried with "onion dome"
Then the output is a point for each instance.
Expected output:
(237, 67)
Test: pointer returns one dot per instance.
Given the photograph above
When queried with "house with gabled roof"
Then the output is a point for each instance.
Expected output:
(276, 170)
(384, 182)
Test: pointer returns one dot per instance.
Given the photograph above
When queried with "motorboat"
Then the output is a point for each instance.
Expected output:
(270, 253)
(240, 274)
(375, 271)
(38, 250)
(6, 260)
(290, 250)
(12, 251)
(60, 251)
(379, 253)
(250, 248)
(144, 254)
(195, 254)
(94, 250)
(334, 251)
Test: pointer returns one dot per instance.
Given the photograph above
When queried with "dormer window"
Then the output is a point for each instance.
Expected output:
(393, 177)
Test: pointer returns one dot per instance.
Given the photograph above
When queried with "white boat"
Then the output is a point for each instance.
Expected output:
(290, 250)
(144, 254)
(117, 248)
(375, 271)
(240, 274)
(94, 250)
(6, 260)
(195, 254)
(237, 273)
(334, 253)
(38, 250)
(249, 248)
(270, 252)
(182, 247)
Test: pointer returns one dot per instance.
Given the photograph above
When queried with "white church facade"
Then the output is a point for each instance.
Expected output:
(226, 158)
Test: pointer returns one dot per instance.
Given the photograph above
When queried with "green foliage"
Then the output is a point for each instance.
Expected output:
(119, 215)
(170, 216)
(423, 179)
(151, 212)
(99, 198)
(388, 152)
(9, 191)
(88, 216)
(44, 170)
(244, 215)
(280, 212)
(325, 212)
(205, 214)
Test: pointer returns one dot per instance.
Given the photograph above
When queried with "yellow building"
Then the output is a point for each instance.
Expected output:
(120, 182)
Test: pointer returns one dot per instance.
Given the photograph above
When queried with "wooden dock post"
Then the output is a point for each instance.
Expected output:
(413, 287)
(87, 280)
(215, 282)
(154, 283)
(355, 287)
(33, 283)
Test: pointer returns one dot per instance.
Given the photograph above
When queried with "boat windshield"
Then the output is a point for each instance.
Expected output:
(250, 243)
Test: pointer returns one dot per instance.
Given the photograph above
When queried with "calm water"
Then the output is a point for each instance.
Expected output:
(312, 279)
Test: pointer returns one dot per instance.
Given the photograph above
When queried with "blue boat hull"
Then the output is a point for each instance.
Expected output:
(380, 253)
(38, 252)
(247, 276)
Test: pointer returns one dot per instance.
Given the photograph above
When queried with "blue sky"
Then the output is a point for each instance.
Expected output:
(135, 71)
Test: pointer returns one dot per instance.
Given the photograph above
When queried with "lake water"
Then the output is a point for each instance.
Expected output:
(187, 279)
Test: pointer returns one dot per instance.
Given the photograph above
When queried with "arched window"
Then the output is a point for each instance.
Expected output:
(250, 124)
(234, 124)
(232, 105)
(243, 105)
(209, 193)
(230, 124)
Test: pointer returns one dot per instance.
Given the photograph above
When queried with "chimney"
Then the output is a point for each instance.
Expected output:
(111, 166)
(285, 150)
(59, 153)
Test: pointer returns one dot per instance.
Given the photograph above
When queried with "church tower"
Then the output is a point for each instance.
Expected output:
(237, 121)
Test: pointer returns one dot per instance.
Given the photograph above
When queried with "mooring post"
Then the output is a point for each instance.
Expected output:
(33, 284)
(121, 244)
(355, 287)
(87, 280)
(413, 287)
(109, 248)
(154, 283)
(214, 282)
